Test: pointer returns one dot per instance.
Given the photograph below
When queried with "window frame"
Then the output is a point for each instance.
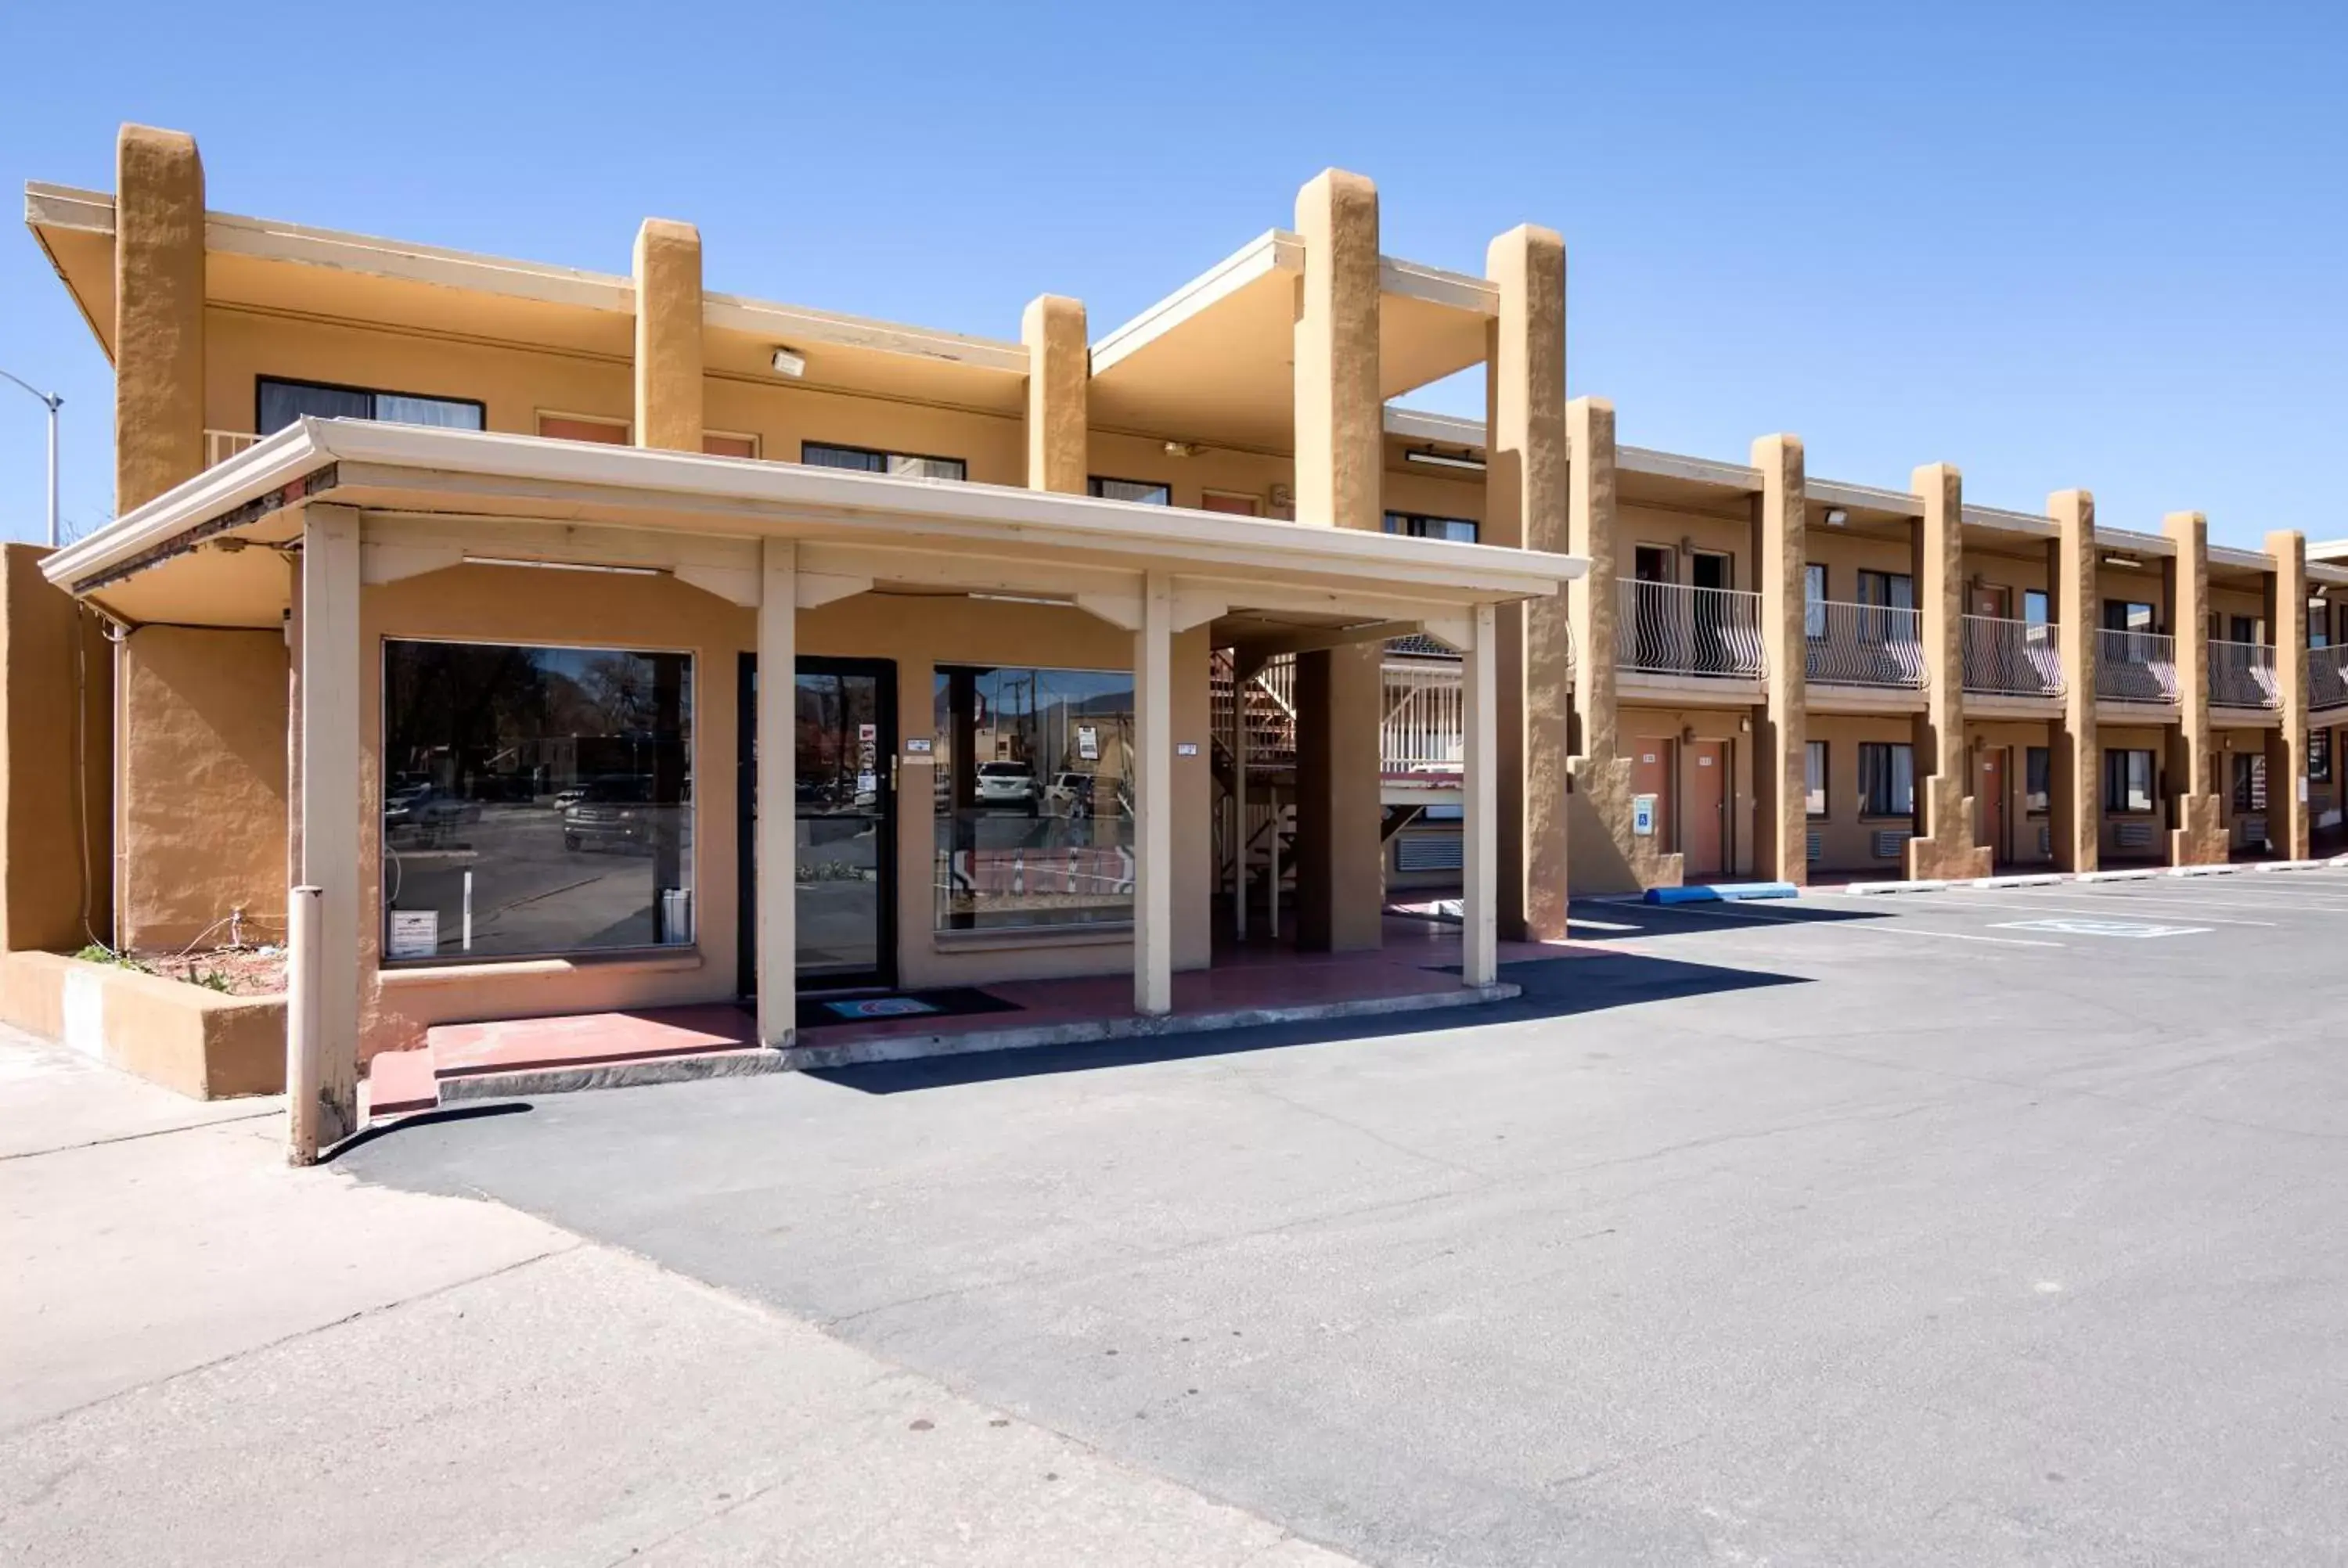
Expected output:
(2319, 756)
(884, 453)
(2031, 813)
(758, 446)
(1892, 814)
(1093, 482)
(1814, 605)
(1390, 516)
(261, 378)
(692, 804)
(1824, 750)
(2152, 782)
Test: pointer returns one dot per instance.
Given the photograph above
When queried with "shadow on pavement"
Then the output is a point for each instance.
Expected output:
(378, 1129)
(1553, 988)
(1629, 922)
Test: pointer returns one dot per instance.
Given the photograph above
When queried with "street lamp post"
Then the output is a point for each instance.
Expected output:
(53, 402)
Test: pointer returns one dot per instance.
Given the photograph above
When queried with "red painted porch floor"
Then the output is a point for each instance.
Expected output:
(1244, 981)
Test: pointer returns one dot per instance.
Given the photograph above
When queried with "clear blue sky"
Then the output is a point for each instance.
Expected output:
(2057, 245)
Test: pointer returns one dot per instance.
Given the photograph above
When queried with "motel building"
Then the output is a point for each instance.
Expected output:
(1135, 676)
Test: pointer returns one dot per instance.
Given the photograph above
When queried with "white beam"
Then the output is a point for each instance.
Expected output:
(777, 895)
(819, 589)
(1122, 610)
(330, 826)
(1259, 651)
(1480, 909)
(1153, 809)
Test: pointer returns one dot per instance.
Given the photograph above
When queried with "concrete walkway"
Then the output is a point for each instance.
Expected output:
(212, 1358)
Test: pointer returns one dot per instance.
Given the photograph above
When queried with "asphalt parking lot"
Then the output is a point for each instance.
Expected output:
(1976, 1227)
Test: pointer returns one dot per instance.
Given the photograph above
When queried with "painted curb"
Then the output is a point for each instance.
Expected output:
(2290, 865)
(2019, 879)
(1868, 889)
(1722, 892)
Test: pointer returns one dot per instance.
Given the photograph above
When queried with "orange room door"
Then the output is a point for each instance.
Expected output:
(1990, 784)
(1991, 601)
(1703, 824)
(1651, 773)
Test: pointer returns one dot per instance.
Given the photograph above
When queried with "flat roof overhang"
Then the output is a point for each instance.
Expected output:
(206, 552)
(1215, 361)
(267, 266)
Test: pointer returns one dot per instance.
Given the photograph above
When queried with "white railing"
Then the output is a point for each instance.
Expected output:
(1672, 629)
(2327, 678)
(1863, 645)
(2242, 675)
(2012, 658)
(220, 445)
(1268, 699)
(1423, 718)
(2136, 666)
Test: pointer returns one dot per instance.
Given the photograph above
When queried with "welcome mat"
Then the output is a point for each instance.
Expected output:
(952, 1001)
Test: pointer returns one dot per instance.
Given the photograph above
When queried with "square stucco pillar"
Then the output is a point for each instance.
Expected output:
(2077, 806)
(1525, 506)
(1059, 374)
(1340, 475)
(1780, 727)
(2200, 836)
(1944, 844)
(323, 1044)
(1613, 859)
(1153, 800)
(775, 861)
(56, 699)
(2287, 745)
(668, 335)
(159, 313)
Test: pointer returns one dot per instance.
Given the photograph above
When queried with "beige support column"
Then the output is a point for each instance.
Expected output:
(1482, 884)
(321, 1106)
(1153, 800)
(1612, 858)
(2200, 836)
(159, 313)
(2076, 809)
(1944, 844)
(2287, 824)
(1780, 721)
(1059, 375)
(777, 895)
(668, 335)
(1525, 505)
(1340, 477)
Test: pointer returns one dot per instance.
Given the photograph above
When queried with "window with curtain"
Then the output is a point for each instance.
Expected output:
(1460, 530)
(1142, 490)
(537, 801)
(2130, 783)
(280, 402)
(866, 460)
(2038, 780)
(1814, 606)
(1814, 778)
(1034, 798)
(1886, 778)
(2127, 615)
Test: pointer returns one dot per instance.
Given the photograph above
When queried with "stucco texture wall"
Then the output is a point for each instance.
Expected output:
(56, 887)
(1847, 835)
(1724, 725)
(201, 797)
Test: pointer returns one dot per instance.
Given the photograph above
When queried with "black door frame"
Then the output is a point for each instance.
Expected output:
(883, 671)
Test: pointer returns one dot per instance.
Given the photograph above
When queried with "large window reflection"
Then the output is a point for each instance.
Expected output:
(1035, 797)
(537, 801)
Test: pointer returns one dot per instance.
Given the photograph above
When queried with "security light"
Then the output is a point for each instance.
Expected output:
(1836, 517)
(2131, 562)
(1435, 459)
(790, 362)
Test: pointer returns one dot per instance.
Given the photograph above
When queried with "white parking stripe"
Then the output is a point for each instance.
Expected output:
(2243, 897)
(1950, 902)
(1891, 925)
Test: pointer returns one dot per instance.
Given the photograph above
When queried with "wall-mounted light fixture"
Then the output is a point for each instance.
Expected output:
(1836, 517)
(790, 362)
(1182, 448)
(1434, 459)
(2129, 562)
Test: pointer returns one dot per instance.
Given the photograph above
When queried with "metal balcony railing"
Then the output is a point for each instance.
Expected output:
(2327, 678)
(220, 445)
(2012, 658)
(1422, 719)
(2136, 666)
(2242, 675)
(1863, 645)
(1672, 628)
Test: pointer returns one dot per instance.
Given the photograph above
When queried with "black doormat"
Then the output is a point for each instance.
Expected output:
(952, 1001)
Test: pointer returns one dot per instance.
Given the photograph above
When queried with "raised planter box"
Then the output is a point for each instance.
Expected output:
(183, 1037)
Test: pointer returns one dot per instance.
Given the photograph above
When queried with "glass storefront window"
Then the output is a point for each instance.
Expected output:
(1035, 797)
(537, 801)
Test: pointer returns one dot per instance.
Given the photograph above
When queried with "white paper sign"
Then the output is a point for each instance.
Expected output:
(1186, 748)
(1088, 743)
(415, 934)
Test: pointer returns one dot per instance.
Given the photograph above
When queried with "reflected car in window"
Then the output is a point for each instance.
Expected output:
(610, 813)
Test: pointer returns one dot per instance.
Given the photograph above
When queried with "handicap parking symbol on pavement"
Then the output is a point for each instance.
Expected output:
(2083, 925)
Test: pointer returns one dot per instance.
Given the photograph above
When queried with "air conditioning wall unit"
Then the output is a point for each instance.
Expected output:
(1890, 843)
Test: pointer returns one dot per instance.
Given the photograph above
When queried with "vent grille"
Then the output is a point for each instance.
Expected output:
(1428, 852)
(1890, 842)
(2134, 835)
(1818, 850)
(2046, 840)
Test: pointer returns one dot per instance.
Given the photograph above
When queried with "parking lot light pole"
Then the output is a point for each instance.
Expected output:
(53, 402)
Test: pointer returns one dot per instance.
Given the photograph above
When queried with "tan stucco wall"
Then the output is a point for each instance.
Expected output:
(481, 603)
(1844, 836)
(2012, 573)
(2023, 826)
(2145, 587)
(201, 795)
(1845, 556)
(1709, 724)
(1642, 525)
(55, 848)
(783, 417)
(2145, 738)
(159, 313)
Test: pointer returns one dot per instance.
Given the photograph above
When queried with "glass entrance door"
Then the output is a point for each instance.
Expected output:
(846, 817)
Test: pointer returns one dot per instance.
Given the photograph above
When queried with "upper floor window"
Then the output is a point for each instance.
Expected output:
(1814, 601)
(1141, 490)
(2318, 628)
(1887, 590)
(2127, 615)
(1459, 529)
(865, 460)
(278, 402)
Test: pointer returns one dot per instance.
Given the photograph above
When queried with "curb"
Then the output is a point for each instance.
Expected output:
(2060, 878)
